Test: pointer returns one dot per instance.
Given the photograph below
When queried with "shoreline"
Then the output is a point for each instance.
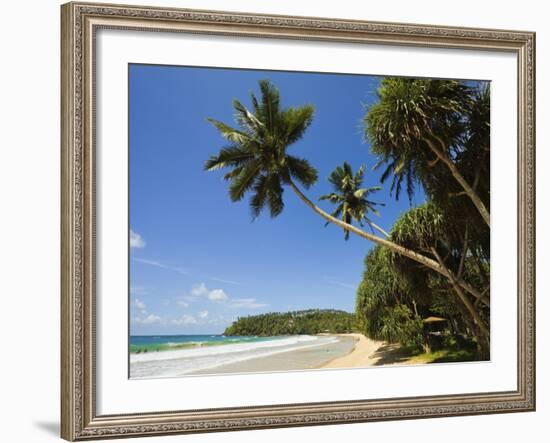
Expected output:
(310, 357)
(346, 351)
(286, 354)
(363, 354)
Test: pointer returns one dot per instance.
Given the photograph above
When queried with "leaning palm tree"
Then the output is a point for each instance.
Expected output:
(260, 163)
(258, 152)
(352, 200)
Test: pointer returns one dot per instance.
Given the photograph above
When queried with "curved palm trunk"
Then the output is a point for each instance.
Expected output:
(419, 258)
(461, 181)
(379, 229)
(422, 259)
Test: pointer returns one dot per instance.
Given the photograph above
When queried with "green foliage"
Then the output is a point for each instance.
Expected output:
(432, 133)
(312, 321)
(420, 227)
(396, 295)
(408, 114)
(428, 132)
(257, 155)
(399, 324)
(384, 304)
(352, 200)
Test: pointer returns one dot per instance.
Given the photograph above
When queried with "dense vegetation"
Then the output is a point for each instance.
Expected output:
(429, 275)
(311, 321)
(435, 134)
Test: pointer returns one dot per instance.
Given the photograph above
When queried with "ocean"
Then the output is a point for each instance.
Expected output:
(155, 343)
(177, 355)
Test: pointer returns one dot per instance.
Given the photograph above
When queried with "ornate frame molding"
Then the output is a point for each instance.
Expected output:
(79, 420)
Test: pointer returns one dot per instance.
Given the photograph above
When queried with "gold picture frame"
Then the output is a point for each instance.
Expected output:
(79, 22)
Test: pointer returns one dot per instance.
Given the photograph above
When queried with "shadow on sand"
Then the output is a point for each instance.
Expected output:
(391, 354)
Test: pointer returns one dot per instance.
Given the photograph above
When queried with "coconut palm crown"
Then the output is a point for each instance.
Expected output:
(352, 200)
(257, 153)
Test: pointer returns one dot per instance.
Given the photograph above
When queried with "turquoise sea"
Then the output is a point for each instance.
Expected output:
(157, 343)
(177, 355)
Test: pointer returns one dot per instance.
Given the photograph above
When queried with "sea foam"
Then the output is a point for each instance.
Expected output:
(184, 361)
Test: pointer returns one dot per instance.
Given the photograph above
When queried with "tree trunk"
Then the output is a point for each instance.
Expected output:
(379, 229)
(483, 342)
(481, 331)
(461, 181)
(460, 293)
(426, 261)
(419, 258)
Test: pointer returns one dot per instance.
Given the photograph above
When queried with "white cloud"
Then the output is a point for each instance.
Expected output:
(217, 295)
(159, 264)
(139, 304)
(149, 320)
(199, 289)
(182, 303)
(247, 303)
(186, 319)
(203, 314)
(136, 241)
(222, 280)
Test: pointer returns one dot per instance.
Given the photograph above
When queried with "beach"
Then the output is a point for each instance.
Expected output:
(364, 353)
(305, 358)
(221, 355)
(323, 351)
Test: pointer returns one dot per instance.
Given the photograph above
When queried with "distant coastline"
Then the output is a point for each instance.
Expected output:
(308, 321)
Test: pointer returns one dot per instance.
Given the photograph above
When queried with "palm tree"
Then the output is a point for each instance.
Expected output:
(419, 123)
(352, 200)
(260, 164)
(258, 151)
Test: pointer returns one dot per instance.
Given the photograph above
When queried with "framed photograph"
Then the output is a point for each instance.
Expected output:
(277, 221)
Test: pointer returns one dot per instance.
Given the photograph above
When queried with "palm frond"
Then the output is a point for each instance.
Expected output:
(244, 181)
(259, 197)
(270, 103)
(275, 196)
(359, 175)
(301, 170)
(332, 197)
(247, 120)
(231, 134)
(296, 121)
(232, 156)
(337, 212)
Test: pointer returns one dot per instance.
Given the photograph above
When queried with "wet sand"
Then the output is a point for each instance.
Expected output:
(347, 351)
(298, 359)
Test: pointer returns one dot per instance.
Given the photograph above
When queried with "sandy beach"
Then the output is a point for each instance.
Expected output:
(363, 354)
(352, 350)
(323, 351)
(296, 359)
(281, 353)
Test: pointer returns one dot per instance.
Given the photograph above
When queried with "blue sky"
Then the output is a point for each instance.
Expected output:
(197, 260)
